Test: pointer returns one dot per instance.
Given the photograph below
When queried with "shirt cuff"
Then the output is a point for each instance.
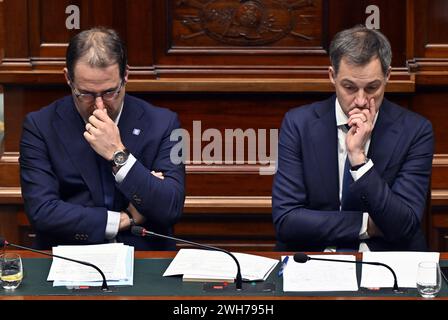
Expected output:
(361, 171)
(113, 222)
(363, 232)
(121, 174)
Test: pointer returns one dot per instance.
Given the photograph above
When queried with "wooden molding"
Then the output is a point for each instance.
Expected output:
(251, 80)
(439, 197)
(228, 204)
(430, 71)
(440, 160)
(13, 195)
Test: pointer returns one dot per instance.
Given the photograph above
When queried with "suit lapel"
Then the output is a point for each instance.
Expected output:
(131, 125)
(385, 137)
(132, 130)
(70, 128)
(323, 133)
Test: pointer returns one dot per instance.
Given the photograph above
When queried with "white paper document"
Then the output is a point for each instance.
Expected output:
(115, 260)
(404, 265)
(208, 265)
(315, 275)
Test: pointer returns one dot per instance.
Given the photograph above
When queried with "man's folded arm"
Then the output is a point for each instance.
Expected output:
(397, 210)
(161, 201)
(293, 221)
(46, 210)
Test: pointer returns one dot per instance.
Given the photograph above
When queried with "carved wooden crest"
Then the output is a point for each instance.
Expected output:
(243, 23)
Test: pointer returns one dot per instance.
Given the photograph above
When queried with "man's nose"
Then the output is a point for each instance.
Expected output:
(361, 98)
(99, 103)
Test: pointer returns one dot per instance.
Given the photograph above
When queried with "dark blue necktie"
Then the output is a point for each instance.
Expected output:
(347, 180)
(108, 181)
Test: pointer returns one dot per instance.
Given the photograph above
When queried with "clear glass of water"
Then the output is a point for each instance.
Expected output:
(429, 279)
(11, 270)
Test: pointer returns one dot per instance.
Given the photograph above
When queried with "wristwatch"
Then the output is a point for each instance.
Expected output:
(120, 158)
(131, 219)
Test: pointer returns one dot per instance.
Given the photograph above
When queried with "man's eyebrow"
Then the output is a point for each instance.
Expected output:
(374, 82)
(87, 91)
(348, 81)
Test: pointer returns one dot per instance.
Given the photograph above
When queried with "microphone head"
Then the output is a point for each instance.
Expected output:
(138, 231)
(3, 242)
(300, 257)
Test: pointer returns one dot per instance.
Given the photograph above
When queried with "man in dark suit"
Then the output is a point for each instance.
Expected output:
(353, 170)
(97, 162)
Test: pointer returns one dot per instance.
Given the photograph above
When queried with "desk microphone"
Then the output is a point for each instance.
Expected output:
(301, 257)
(104, 287)
(142, 232)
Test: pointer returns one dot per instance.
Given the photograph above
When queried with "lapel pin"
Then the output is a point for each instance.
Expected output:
(136, 132)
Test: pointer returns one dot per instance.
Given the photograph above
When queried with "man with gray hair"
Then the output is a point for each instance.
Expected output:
(354, 170)
(97, 162)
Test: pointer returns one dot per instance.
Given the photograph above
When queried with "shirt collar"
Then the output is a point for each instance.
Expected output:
(119, 114)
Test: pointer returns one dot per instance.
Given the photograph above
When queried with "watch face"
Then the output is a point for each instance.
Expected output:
(120, 158)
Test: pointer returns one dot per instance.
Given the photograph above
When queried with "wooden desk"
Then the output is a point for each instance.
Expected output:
(150, 285)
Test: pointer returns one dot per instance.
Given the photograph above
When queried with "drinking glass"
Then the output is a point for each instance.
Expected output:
(11, 270)
(429, 279)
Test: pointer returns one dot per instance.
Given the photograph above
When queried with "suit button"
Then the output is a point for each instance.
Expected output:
(76, 236)
(137, 199)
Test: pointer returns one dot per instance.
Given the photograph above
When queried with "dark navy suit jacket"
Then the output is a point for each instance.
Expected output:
(61, 183)
(305, 194)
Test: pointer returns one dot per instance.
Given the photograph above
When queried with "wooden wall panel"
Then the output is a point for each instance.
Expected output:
(140, 34)
(230, 64)
(433, 105)
(392, 22)
(16, 46)
(430, 17)
(430, 41)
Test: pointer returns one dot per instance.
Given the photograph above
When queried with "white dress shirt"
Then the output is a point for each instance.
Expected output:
(341, 121)
(113, 217)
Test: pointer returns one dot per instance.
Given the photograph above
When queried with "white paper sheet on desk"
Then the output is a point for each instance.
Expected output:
(208, 264)
(110, 258)
(127, 281)
(317, 275)
(404, 265)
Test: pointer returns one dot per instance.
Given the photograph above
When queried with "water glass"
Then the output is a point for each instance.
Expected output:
(11, 270)
(429, 279)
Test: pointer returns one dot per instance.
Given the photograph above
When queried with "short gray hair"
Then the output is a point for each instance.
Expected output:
(358, 46)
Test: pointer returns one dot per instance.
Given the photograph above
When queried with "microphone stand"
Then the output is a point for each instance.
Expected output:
(104, 286)
(239, 278)
(268, 287)
(395, 286)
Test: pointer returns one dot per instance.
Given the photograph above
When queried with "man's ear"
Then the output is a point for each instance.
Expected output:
(332, 75)
(126, 74)
(67, 78)
(388, 73)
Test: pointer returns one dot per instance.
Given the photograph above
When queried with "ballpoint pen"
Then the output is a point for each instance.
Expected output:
(282, 267)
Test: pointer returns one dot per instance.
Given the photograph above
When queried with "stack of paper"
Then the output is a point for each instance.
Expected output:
(315, 275)
(404, 265)
(209, 266)
(115, 260)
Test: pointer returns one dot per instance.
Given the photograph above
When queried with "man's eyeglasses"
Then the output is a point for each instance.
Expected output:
(90, 97)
